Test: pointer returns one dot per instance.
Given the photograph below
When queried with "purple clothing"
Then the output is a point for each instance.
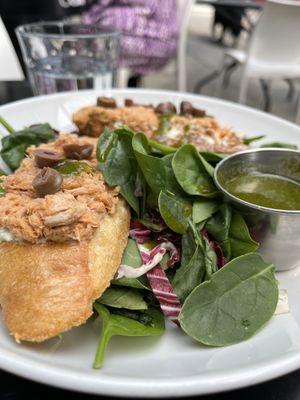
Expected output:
(149, 30)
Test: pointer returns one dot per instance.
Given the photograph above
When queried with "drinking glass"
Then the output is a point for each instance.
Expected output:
(61, 56)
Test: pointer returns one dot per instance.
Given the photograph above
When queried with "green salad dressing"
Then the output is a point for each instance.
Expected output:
(2, 191)
(164, 124)
(266, 190)
(71, 168)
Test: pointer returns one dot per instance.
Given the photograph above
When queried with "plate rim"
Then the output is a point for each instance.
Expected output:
(61, 377)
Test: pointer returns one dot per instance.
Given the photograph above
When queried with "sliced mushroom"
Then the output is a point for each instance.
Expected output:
(165, 108)
(47, 158)
(197, 112)
(78, 151)
(106, 102)
(47, 181)
(131, 103)
(186, 108)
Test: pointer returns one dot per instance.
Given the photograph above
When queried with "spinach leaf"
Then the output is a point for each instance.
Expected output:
(210, 257)
(117, 162)
(132, 257)
(239, 237)
(213, 157)
(119, 325)
(157, 171)
(203, 209)
(189, 275)
(115, 156)
(175, 211)
(280, 145)
(253, 139)
(188, 246)
(120, 297)
(218, 225)
(6, 125)
(141, 316)
(161, 148)
(192, 172)
(14, 145)
(238, 300)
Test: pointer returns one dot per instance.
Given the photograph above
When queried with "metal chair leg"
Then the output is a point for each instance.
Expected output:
(266, 93)
(228, 72)
(210, 77)
(291, 90)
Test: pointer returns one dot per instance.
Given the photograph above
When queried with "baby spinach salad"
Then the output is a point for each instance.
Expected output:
(189, 257)
(213, 285)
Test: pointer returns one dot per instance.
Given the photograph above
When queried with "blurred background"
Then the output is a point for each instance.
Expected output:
(241, 50)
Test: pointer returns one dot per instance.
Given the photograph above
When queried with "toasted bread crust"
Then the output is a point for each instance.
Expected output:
(46, 289)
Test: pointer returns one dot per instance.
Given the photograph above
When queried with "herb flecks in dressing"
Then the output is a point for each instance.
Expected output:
(266, 190)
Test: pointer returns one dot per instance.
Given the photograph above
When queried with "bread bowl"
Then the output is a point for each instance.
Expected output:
(53, 268)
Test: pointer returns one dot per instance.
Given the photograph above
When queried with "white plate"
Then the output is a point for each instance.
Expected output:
(173, 365)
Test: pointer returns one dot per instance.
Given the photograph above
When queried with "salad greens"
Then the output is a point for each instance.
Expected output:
(176, 200)
(280, 145)
(125, 325)
(193, 173)
(14, 145)
(231, 307)
(120, 297)
(199, 257)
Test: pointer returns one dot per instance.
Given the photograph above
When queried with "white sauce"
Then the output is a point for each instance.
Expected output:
(6, 235)
(283, 302)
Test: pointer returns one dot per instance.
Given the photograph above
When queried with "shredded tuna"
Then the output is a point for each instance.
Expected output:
(73, 213)
(203, 132)
(92, 120)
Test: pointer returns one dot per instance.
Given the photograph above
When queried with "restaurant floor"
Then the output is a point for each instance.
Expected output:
(204, 55)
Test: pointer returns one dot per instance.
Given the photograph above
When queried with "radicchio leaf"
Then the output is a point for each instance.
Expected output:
(215, 246)
(163, 291)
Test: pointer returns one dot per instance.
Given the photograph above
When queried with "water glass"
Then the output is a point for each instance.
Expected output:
(61, 56)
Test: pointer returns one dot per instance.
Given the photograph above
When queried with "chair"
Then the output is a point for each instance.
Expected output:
(274, 48)
(184, 11)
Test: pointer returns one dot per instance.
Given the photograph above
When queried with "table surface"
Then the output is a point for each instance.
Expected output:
(15, 388)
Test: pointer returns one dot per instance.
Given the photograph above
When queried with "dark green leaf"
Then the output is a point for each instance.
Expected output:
(189, 275)
(240, 239)
(175, 212)
(280, 145)
(203, 209)
(218, 225)
(253, 139)
(14, 145)
(157, 171)
(119, 325)
(140, 316)
(115, 156)
(118, 164)
(213, 157)
(191, 172)
(121, 297)
(162, 148)
(238, 300)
